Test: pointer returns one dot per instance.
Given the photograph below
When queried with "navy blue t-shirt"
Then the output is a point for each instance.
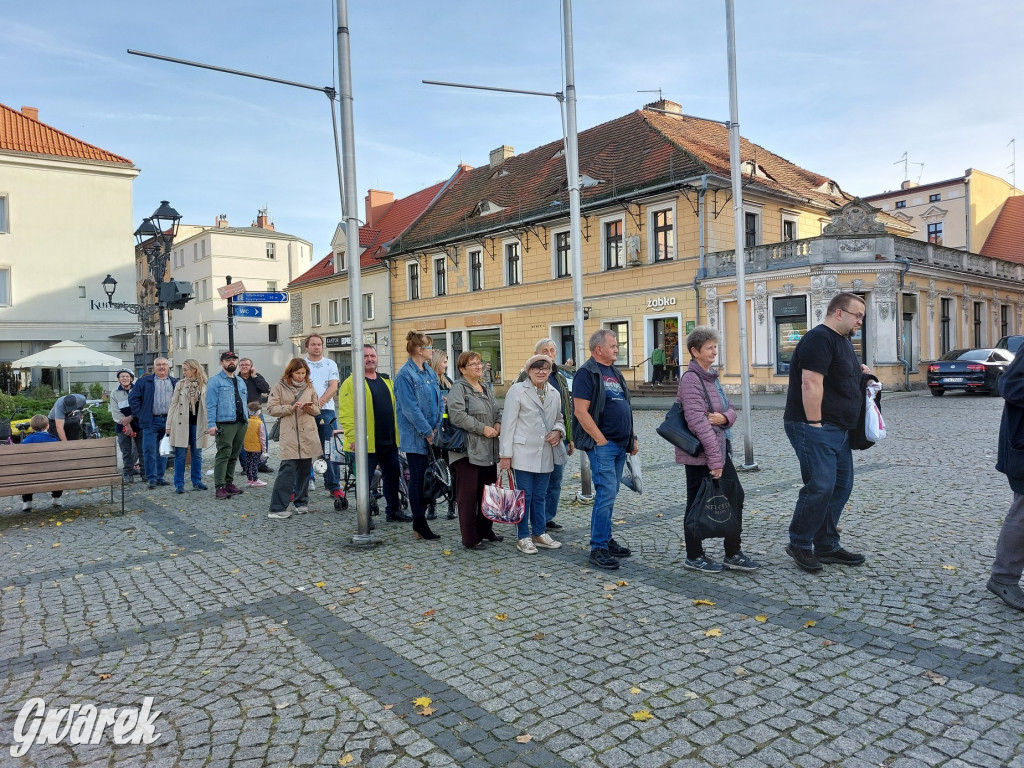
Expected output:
(616, 421)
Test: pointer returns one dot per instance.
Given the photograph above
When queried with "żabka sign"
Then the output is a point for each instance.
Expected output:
(661, 302)
(83, 724)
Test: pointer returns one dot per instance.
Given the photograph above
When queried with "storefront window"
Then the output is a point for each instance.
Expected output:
(621, 331)
(790, 326)
(487, 344)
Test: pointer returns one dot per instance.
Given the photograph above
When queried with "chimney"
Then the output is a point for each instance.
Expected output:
(263, 220)
(501, 154)
(32, 113)
(665, 106)
(377, 202)
(908, 184)
(222, 221)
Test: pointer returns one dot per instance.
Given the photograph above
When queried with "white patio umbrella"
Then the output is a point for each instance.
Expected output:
(68, 354)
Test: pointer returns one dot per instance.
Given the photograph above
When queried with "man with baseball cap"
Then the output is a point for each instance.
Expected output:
(227, 418)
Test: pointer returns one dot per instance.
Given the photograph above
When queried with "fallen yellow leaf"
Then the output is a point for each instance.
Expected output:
(425, 711)
(59, 524)
(716, 632)
(524, 739)
(103, 676)
(331, 607)
(345, 759)
(949, 567)
(320, 584)
(353, 590)
(690, 695)
(538, 636)
(740, 671)
(422, 701)
(762, 618)
(389, 706)
(55, 545)
(703, 602)
(431, 612)
(236, 570)
(446, 552)
(611, 586)
(501, 616)
(642, 715)
(634, 690)
(608, 596)
(621, 583)
(809, 623)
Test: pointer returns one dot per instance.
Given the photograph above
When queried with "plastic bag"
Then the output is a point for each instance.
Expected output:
(501, 503)
(165, 446)
(874, 425)
(631, 475)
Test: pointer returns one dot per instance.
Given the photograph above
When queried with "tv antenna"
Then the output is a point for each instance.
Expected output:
(653, 90)
(906, 163)
(1012, 167)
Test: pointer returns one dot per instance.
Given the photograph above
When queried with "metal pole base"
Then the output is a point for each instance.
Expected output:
(364, 540)
(585, 499)
(749, 467)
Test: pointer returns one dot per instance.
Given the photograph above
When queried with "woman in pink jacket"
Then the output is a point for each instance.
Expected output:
(709, 416)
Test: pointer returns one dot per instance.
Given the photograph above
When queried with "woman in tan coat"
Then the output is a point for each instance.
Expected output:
(188, 408)
(294, 402)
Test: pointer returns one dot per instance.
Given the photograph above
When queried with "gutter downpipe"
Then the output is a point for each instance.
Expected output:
(701, 247)
(904, 268)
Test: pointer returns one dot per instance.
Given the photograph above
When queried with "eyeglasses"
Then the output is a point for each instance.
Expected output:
(858, 315)
(477, 364)
(427, 349)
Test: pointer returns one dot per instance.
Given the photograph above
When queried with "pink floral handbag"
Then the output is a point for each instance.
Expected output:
(503, 503)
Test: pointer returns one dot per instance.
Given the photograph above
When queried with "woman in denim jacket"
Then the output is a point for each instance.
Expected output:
(418, 397)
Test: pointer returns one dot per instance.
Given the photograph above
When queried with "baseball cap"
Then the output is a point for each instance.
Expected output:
(229, 355)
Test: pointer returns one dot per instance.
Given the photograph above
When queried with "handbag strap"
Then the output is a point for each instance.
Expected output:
(704, 391)
(510, 478)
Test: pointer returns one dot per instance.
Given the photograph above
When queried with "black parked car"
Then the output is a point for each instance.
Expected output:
(972, 370)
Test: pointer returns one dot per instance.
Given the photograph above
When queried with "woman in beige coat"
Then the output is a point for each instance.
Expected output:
(293, 401)
(188, 408)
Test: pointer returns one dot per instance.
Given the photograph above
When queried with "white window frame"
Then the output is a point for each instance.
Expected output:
(203, 253)
(5, 287)
(479, 253)
(5, 213)
(368, 306)
(199, 337)
(409, 267)
(444, 272)
(274, 333)
(555, 233)
(271, 286)
(315, 318)
(339, 262)
(504, 261)
(333, 317)
(346, 310)
(789, 217)
(602, 224)
(758, 211)
(195, 251)
(272, 251)
(651, 212)
(623, 361)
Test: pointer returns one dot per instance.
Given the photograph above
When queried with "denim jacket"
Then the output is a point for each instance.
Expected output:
(220, 398)
(418, 397)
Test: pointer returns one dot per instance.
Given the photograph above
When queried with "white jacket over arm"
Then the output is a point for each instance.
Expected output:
(524, 423)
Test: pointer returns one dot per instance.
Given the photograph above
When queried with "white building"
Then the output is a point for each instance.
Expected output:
(65, 223)
(262, 258)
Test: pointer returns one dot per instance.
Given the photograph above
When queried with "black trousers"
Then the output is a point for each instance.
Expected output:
(694, 475)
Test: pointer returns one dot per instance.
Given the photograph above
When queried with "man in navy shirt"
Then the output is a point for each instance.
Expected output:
(822, 407)
(603, 427)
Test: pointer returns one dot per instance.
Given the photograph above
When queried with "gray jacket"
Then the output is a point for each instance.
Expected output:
(472, 411)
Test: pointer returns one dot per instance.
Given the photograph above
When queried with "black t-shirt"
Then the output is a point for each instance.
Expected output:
(831, 354)
(241, 410)
(383, 413)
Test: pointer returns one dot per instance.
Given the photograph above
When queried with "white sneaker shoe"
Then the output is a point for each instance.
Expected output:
(56, 502)
(26, 506)
(546, 542)
(284, 514)
(526, 546)
(301, 510)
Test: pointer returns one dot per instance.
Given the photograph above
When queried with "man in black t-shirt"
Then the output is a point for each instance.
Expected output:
(381, 431)
(822, 406)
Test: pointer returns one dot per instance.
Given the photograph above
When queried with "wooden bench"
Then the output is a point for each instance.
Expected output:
(63, 466)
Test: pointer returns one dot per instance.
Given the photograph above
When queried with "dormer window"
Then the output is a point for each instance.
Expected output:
(831, 189)
(486, 208)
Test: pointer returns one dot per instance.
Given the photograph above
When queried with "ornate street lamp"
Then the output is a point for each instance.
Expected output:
(155, 236)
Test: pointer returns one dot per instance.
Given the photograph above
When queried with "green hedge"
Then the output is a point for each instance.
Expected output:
(18, 407)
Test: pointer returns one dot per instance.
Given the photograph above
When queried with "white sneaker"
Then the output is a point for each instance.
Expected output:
(56, 502)
(301, 510)
(526, 546)
(26, 506)
(546, 542)
(284, 514)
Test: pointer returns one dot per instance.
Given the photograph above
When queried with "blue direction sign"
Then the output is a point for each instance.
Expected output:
(274, 297)
(243, 311)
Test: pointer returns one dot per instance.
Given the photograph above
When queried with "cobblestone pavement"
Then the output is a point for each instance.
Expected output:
(274, 643)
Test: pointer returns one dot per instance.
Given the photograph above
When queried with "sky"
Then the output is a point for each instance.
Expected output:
(842, 89)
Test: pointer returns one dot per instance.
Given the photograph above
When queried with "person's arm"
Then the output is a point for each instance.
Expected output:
(329, 393)
(59, 426)
(812, 389)
(261, 384)
(1011, 383)
(581, 410)
(510, 419)
(211, 408)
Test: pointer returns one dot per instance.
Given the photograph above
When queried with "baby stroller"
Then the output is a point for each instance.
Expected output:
(345, 462)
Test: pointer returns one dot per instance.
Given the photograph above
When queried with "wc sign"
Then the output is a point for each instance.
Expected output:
(83, 724)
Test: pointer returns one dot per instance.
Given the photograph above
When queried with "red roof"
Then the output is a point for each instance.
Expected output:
(640, 151)
(21, 133)
(374, 240)
(1006, 240)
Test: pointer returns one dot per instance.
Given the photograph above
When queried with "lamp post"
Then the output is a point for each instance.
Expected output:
(155, 236)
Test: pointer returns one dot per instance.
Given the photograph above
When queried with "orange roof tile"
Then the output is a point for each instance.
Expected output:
(642, 150)
(1006, 240)
(20, 133)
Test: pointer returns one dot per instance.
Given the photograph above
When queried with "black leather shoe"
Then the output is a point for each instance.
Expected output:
(841, 557)
(151, 486)
(553, 526)
(1011, 594)
(161, 481)
(265, 468)
(617, 550)
(804, 559)
(495, 537)
(398, 517)
(601, 559)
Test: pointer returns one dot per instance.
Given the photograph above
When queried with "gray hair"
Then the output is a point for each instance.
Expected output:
(597, 338)
(543, 343)
(700, 336)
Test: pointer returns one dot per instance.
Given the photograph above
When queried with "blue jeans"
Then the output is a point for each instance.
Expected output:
(326, 423)
(826, 467)
(554, 492)
(535, 484)
(606, 463)
(197, 461)
(155, 465)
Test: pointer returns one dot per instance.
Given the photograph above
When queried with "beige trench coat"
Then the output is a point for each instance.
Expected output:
(299, 436)
(177, 418)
